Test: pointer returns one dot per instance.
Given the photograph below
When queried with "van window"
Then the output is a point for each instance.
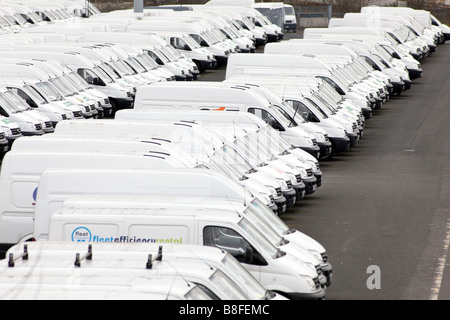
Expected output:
(90, 77)
(267, 117)
(199, 40)
(232, 242)
(24, 96)
(178, 43)
(207, 291)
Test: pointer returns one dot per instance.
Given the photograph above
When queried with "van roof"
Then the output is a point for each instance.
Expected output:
(193, 116)
(132, 201)
(171, 213)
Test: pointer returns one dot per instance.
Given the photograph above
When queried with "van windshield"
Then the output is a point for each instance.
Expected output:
(227, 286)
(7, 105)
(250, 283)
(77, 81)
(259, 238)
(260, 209)
(103, 75)
(17, 101)
(232, 158)
(49, 91)
(252, 215)
(35, 95)
(196, 294)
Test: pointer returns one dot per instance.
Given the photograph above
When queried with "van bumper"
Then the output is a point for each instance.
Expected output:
(290, 27)
(311, 185)
(4, 148)
(290, 196)
(280, 202)
(318, 176)
(326, 148)
(221, 60)
(415, 73)
(398, 87)
(327, 270)
(354, 138)
(300, 191)
(317, 295)
(123, 103)
(261, 41)
(340, 144)
(314, 151)
(367, 112)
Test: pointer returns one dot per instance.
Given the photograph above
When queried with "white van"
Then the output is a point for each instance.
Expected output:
(158, 289)
(291, 91)
(56, 111)
(120, 271)
(196, 54)
(196, 31)
(52, 72)
(265, 134)
(254, 128)
(205, 148)
(401, 21)
(18, 187)
(232, 233)
(120, 97)
(219, 259)
(29, 123)
(239, 64)
(223, 97)
(32, 74)
(368, 47)
(48, 203)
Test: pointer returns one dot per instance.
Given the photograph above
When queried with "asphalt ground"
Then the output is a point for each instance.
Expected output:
(383, 211)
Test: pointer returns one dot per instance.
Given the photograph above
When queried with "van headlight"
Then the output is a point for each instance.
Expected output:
(8, 132)
(310, 282)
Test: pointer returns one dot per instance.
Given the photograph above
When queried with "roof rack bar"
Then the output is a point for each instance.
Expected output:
(24, 256)
(150, 259)
(87, 256)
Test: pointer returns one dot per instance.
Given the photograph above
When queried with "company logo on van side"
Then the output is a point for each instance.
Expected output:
(83, 234)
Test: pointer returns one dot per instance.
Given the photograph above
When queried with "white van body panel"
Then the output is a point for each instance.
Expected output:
(19, 179)
(186, 227)
(220, 259)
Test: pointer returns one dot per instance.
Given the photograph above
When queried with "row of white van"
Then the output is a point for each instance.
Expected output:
(253, 164)
(184, 206)
(66, 67)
